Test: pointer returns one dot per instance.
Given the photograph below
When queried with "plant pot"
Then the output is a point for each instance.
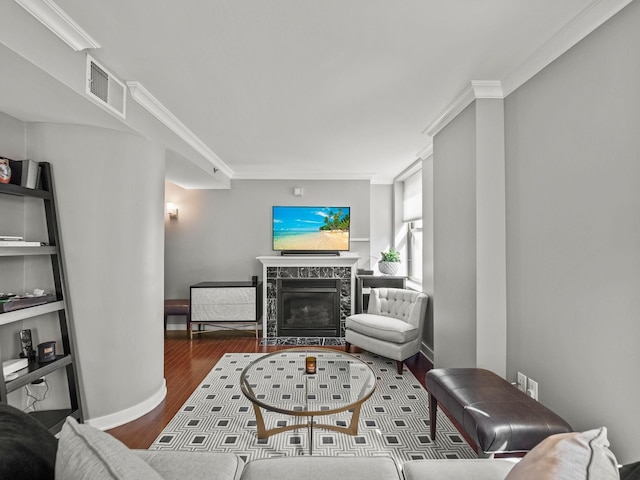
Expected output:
(388, 268)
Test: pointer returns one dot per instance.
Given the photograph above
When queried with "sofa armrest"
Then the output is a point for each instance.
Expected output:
(477, 469)
(175, 465)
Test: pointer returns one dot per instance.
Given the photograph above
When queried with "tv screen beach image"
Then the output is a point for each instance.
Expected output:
(311, 228)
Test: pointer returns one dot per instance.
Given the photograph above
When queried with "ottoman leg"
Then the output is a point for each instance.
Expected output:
(347, 347)
(433, 410)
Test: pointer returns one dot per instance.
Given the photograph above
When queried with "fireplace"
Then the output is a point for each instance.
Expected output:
(308, 307)
(339, 270)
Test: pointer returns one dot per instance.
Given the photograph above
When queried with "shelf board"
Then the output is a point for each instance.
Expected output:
(28, 312)
(11, 189)
(22, 251)
(36, 371)
(54, 419)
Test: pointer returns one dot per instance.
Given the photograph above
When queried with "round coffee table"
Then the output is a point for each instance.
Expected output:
(277, 382)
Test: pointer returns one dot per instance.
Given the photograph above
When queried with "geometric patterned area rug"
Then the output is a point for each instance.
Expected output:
(394, 422)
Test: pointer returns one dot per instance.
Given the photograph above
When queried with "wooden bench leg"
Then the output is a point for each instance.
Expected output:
(347, 347)
(433, 410)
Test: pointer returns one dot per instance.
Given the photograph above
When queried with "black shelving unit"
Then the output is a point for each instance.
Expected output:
(66, 358)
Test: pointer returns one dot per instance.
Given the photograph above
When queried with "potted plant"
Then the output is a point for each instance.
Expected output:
(389, 262)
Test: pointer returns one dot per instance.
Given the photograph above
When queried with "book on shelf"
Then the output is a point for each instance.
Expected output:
(10, 238)
(19, 243)
(24, 173)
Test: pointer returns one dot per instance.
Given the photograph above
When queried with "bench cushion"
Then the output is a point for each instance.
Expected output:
(494, 413)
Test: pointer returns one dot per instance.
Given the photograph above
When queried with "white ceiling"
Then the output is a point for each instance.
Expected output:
(314, 88)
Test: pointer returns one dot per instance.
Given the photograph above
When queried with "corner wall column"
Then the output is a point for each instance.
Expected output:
(469, 231)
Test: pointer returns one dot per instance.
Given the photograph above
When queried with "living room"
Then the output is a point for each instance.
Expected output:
(566, 267)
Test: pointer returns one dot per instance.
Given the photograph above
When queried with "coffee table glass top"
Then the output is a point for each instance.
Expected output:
(278, 382)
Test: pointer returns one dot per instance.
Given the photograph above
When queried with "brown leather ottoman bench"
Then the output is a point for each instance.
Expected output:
(497, 416)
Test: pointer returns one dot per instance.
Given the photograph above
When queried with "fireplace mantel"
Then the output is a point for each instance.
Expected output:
(306, 266)
(309, 261)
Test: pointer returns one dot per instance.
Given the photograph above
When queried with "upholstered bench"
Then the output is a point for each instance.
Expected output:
(178, 306)
(497, 416)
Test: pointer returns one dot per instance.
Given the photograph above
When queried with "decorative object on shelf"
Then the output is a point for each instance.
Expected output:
(5, 170)
(390, 261)
(46, 352)
(10, 301)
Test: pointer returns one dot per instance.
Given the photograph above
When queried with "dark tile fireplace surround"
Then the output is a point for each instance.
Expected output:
(312, 301)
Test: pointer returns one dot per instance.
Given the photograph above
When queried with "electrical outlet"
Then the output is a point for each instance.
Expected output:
(532, 390)
(522, 382)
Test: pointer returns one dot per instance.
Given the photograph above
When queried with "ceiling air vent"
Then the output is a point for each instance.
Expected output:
(105, 89)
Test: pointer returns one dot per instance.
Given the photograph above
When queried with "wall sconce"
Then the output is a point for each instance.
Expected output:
(172, 210)
(297, 191)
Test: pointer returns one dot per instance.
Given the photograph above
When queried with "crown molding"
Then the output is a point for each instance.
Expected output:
(302, 176)
(56, 20)
(476, 89)
(426, 152)
(150, 103)
(589, 19)
(487, 88)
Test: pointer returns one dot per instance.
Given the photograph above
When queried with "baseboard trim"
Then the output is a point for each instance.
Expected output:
(129, 414)
(427, 352)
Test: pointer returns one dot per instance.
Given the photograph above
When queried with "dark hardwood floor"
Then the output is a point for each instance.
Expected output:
(186, 363)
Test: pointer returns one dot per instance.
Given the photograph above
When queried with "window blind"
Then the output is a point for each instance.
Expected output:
(412, 198)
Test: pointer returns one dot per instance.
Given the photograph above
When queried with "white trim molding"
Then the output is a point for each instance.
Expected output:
(590, 18)
(426, 152)
(150, 103)
(476, 89)
(56, 20)
(129, 414)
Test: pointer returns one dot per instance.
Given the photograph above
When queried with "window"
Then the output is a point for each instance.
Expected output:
(414, 238)
(412, 217)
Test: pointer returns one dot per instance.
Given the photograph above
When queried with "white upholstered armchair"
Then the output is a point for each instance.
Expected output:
(392, 326)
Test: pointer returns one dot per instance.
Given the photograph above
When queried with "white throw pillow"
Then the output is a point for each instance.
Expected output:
(86, 453)
(570, 456)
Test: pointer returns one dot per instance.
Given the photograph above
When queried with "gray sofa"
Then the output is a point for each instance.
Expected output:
(87, 453)
(29, 451)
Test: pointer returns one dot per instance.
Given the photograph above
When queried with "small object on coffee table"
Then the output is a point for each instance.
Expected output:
(310, 365)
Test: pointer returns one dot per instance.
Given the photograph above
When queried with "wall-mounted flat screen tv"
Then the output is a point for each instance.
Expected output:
(311, 229)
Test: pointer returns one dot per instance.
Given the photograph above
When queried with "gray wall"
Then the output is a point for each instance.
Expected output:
(381, 229)
(454, 242)
(573, 232)
(110, 190)
(219, 233)
(427, 250)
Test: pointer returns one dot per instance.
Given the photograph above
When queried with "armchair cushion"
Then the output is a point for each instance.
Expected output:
(381, 327)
